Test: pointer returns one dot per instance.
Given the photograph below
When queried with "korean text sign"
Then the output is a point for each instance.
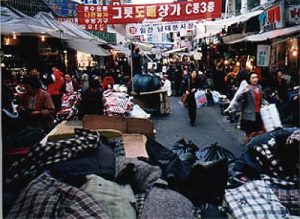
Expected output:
(123, 14)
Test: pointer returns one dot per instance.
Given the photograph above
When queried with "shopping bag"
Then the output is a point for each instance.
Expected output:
(200, 98)
(236, 105)
(184, 99)
(216, 95)
(270, 117)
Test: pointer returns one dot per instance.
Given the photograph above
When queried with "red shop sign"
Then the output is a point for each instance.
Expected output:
(123, 14)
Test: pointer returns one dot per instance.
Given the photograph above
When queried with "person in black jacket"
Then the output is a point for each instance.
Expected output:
(91, 100)
(192, 83)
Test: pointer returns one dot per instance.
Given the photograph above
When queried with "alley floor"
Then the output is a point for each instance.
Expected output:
(211, 127)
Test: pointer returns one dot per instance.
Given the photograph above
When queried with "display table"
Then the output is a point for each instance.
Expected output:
(154, 101)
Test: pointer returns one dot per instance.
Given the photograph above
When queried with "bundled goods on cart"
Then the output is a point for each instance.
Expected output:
(116, 103)
(69, 109)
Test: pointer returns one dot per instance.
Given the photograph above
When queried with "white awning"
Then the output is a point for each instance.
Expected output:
(210, 28)
(273, 34)
(236, 19)
(235, 38)
(19, 23)
(86, 46)
(121, 49)
(174, 51)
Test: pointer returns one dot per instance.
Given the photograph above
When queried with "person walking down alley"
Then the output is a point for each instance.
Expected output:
(54, 89)
(251, 103)
(191, 85)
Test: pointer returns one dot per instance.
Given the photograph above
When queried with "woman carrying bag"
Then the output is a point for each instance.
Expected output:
(251, 104)
(192, 84)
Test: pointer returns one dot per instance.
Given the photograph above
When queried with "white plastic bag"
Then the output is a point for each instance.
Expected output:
(235, 105)
(270, 117)
(216, 95)
(201, 99)
(138, 112)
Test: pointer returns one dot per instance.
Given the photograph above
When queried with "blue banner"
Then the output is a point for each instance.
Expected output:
(63, 8)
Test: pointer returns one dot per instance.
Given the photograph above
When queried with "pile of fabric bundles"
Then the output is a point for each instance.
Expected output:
(268, 176)
(116, 103)
(69, 107)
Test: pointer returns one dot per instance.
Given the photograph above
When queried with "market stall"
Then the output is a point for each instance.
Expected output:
(153, 101)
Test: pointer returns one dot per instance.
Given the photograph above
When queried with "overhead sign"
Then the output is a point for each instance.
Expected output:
(293, 14)
(272, 18)
(62, 8)
(263, 55)
(155, 28)
(125, 14)
(108, 37)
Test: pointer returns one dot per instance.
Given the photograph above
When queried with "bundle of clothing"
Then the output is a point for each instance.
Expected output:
(88, 176)
(116, 103)
(268, 176)
(69, 107)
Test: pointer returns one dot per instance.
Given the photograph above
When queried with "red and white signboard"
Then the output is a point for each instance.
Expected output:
(272, 18)
(293, 14)
(155, 28)
(124, 14)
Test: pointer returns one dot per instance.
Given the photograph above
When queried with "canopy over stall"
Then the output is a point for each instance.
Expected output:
(87, 47)
(210, 28)
(267, 35)
(121, 49)
(68, 30)
(17, 22)
(174, 51)
(273, 34)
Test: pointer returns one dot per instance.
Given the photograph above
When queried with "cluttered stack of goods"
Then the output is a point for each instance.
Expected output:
(266, 176)
(116, 103)
(92, 170)
(149, 94)
(69, 108)
(105, 173)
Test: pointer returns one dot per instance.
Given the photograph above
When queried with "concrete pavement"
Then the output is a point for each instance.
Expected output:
(210, 127)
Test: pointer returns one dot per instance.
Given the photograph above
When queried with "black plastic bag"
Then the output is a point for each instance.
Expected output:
(213, 153)
(186, 151)
(146, 83)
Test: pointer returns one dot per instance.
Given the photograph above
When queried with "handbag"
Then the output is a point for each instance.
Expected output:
(184, 96)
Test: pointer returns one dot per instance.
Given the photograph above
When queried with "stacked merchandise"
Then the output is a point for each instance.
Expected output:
(268, 176)
(116, 103)
(89, 176)
(69, 107)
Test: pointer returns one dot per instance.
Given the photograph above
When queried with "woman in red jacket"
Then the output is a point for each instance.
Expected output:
(54, 89)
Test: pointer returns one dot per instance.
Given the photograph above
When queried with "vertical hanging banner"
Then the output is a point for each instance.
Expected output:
(263, 55)
(124, 14)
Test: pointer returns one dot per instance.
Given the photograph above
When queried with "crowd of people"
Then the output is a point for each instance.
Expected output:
(39, 97)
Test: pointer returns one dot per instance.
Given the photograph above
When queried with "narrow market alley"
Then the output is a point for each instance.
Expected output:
(211, 127)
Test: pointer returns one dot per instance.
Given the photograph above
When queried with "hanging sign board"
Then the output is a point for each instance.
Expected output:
(272, 18)
(293, 14)
(263, 55)
(155, 28)
(129, 13)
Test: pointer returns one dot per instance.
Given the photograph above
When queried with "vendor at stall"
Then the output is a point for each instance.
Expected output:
(91, 100)
(36, 105)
